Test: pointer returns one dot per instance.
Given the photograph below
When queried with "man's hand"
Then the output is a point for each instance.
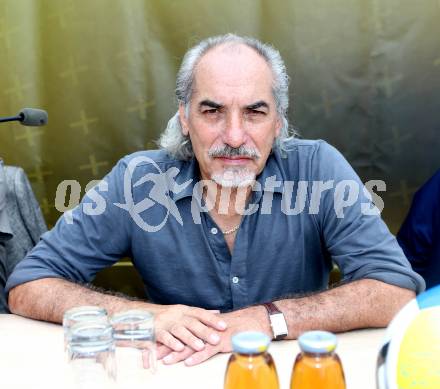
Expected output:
(248, 319)
(360, 304)
(178, 326)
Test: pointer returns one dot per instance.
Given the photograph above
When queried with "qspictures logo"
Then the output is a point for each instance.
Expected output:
(310, 196)
(162, 184)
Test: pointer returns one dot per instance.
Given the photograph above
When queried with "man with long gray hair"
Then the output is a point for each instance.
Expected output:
(209, 225)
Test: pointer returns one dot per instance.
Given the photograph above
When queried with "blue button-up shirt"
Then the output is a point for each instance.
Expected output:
(181, 253)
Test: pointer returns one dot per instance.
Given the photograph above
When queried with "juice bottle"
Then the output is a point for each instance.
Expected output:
(317, 366)
(251, 366)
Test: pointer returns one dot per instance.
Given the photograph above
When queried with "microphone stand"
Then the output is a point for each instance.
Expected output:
(12, 119)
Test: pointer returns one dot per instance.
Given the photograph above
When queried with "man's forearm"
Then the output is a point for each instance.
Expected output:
(175, 325)
(360, 304)
(48, 298)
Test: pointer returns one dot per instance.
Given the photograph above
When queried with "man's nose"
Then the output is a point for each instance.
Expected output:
(235, 133)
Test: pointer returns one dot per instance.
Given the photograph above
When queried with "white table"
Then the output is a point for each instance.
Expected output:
(32, 357)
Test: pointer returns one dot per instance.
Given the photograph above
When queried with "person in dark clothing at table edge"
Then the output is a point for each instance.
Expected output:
(419, 235)
(231, 213)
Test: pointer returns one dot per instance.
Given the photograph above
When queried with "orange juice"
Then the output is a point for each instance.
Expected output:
(317, 366)
(251, 366)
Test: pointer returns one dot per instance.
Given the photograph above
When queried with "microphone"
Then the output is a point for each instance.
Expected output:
(28, 117)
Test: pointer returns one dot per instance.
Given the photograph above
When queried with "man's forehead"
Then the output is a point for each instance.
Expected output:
(232, 57)
(232, 67)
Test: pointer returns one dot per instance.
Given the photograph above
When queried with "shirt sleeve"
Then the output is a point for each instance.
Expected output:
(92, 236)
(358, 242)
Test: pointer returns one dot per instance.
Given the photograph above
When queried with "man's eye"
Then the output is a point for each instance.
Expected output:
(211, 111)
(256, 112)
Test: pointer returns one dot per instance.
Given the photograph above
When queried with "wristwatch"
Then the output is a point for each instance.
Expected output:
(277, 321)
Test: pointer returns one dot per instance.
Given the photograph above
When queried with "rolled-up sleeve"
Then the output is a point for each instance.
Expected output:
(359, 243)
(92, 236)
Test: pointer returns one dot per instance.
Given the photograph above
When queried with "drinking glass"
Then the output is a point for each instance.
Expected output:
(82, 314)
(133, 332)
(91, 355)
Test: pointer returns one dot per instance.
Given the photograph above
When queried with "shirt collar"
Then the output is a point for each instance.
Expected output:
(272, 172)
(188, 171)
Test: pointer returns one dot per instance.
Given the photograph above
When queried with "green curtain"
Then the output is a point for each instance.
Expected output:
(365, 76)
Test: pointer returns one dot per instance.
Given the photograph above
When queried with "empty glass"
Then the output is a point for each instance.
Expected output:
(91, 355)
(133, 332)
(81, 314)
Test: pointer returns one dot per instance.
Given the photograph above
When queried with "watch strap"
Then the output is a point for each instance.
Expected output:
(277, 321)
(271, 308)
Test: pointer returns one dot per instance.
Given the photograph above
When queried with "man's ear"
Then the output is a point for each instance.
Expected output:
(183, 120)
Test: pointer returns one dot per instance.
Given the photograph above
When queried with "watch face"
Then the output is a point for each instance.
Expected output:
(279, 325)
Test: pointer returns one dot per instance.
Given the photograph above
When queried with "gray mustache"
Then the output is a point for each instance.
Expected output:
(228, 152)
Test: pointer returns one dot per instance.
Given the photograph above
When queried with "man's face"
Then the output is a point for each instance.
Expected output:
(232, 120)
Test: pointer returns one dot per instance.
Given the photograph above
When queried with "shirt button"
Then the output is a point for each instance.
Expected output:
(235, 280)
(214, 230)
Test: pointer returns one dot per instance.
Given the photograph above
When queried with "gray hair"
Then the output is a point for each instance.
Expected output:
(179, 145)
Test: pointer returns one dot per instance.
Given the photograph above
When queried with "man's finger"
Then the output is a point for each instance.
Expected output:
(162, 351)
(209, 318)
(175, 357)
(201, 356)
(145, 360)
(202, 331)
(149, 360)
(187, 337)
(169, 340)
